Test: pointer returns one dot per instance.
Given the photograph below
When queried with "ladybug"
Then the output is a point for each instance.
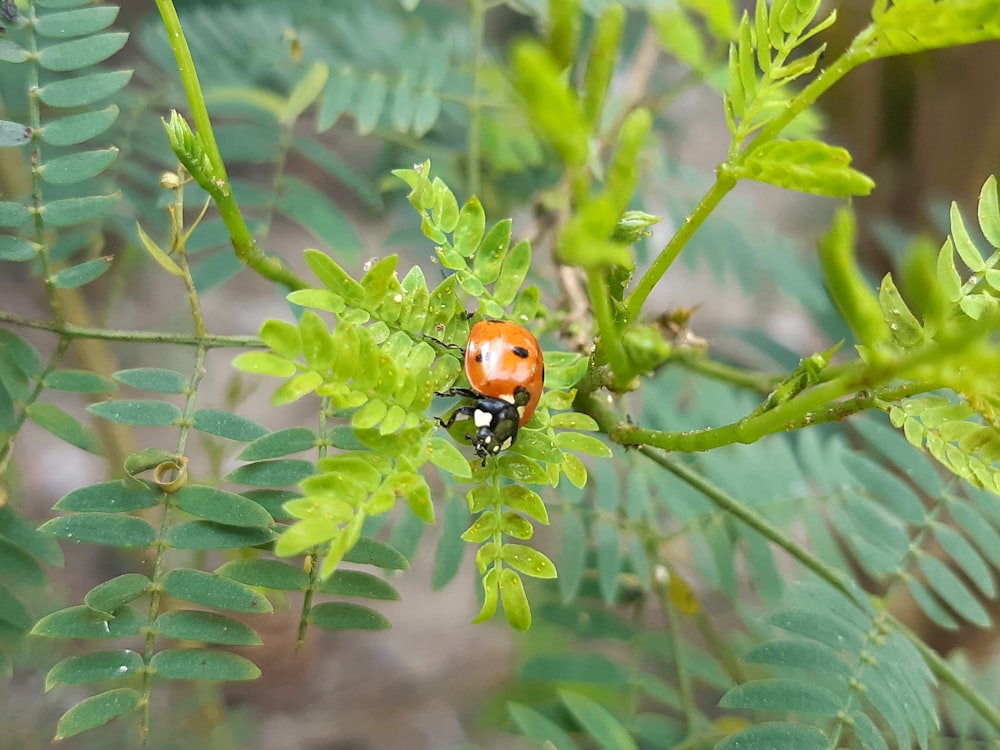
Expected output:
(504, 365)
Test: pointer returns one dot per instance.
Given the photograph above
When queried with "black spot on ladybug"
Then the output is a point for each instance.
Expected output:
(479, 357)
(520, 351)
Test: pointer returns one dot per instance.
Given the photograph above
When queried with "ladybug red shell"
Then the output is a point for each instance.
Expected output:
(506, 371)
(502, 358)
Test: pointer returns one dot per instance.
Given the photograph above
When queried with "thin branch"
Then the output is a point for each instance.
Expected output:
(209, 341)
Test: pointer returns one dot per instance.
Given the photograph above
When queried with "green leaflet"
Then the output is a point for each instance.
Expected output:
(806, 166)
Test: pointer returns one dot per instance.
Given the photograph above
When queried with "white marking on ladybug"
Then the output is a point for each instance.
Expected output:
(508, 397)
(520, 411)
(506, 444)
(482, 418)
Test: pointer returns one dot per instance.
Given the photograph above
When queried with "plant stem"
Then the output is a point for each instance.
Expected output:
(724, 182)
(791, 415)
(71, 331)
(477, 25)
(698, 361)
(244, 244)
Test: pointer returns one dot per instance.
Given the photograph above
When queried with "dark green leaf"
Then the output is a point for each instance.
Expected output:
(12, 53)
(206, 627)
(930, 605)
(451, 547)
(215, 270)
(114, 529)
(371, 101)
(154, 379)
(209, 535)
(967, 558)
(609, 558)
(17, 249)
(346, 616)
(367, 551)
(807, 655)
(280, 443)
(202, 664)
(64, 426)
(79, 22)
(603, 726)
(272, 473)
(18, 536)
(83, 622)
(97, 711)
(358, 583)
(222, 507)
(327, 160)
(13, 214)
(594, 669)
(783, 695)
(147, 413)
(23, 353)
(776, 736)
(13, 134)
(312, 209)
(114, 594)
(74, 129)
(70, 211)
(574, 555)
(211, 590)
(540, 727)
(227, 425)
(98, 666)
(84, 90)
(79, 381)
(110, 497)
(825, 628)
(74, 168)
(80, 53)
(84, 273)
(273, 501)
(269, 574)
(952, 590)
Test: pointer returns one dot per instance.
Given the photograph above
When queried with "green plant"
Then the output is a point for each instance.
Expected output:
(776, 485)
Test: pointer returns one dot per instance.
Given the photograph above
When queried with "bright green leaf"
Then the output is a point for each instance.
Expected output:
(270, 574)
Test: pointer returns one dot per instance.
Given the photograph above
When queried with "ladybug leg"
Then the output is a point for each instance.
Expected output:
(462, 412)
(443, 344)
(456, 392)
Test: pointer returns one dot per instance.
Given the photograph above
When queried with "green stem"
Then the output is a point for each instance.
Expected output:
(696, 360)
(244, 244)
(71, 331)
(611, 340)
(724, 182)
(477, 24)
(802, 411)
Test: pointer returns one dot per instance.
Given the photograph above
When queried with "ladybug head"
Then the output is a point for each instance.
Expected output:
(496, 424)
